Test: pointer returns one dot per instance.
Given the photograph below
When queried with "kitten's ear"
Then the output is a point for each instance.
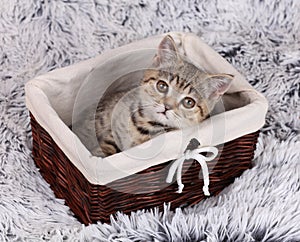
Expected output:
(219, 84)
(167, 52)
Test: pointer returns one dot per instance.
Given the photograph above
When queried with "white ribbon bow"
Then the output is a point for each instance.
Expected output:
(193, 154)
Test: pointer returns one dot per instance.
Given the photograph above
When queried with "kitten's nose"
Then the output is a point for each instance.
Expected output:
(168, 106)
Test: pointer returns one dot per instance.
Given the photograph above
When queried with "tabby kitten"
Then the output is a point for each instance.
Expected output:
(173, 94)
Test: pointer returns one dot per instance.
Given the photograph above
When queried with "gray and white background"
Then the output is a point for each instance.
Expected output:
(261, 38)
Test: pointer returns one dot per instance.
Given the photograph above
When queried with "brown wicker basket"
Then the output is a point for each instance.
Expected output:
(91, 203)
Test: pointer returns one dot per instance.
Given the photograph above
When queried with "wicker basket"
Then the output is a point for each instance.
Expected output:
(91, 203)
(95, 188)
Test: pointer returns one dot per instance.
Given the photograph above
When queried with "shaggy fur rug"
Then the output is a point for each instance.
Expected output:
(260, 38)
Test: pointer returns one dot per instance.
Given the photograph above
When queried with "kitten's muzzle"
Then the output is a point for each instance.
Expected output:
(167, 108)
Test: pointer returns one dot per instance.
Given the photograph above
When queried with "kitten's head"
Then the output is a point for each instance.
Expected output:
(177, 93)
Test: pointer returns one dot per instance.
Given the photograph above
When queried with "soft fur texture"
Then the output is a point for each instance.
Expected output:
(260, 38)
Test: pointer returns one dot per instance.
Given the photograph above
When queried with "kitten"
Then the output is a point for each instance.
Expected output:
(173, 94)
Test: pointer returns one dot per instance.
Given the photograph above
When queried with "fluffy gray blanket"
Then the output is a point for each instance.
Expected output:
(260, 38)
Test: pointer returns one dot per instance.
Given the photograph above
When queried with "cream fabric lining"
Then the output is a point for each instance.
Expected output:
(51, 97)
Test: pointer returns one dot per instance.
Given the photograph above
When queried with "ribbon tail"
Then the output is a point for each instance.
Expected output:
(179, 174)
(173, 169)
(205, 173)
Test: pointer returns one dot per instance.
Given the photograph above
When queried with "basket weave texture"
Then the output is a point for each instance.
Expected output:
(91, 203)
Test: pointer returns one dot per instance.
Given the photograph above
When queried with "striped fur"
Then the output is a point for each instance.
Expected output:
(127, 119)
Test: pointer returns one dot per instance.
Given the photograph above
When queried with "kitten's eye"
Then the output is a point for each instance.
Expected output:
(162, 86)
(188, 102)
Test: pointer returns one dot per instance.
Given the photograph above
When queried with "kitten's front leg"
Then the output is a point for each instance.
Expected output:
(108, 146)
(104, 149)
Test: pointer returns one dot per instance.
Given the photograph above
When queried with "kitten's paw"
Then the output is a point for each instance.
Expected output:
(97, 152)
